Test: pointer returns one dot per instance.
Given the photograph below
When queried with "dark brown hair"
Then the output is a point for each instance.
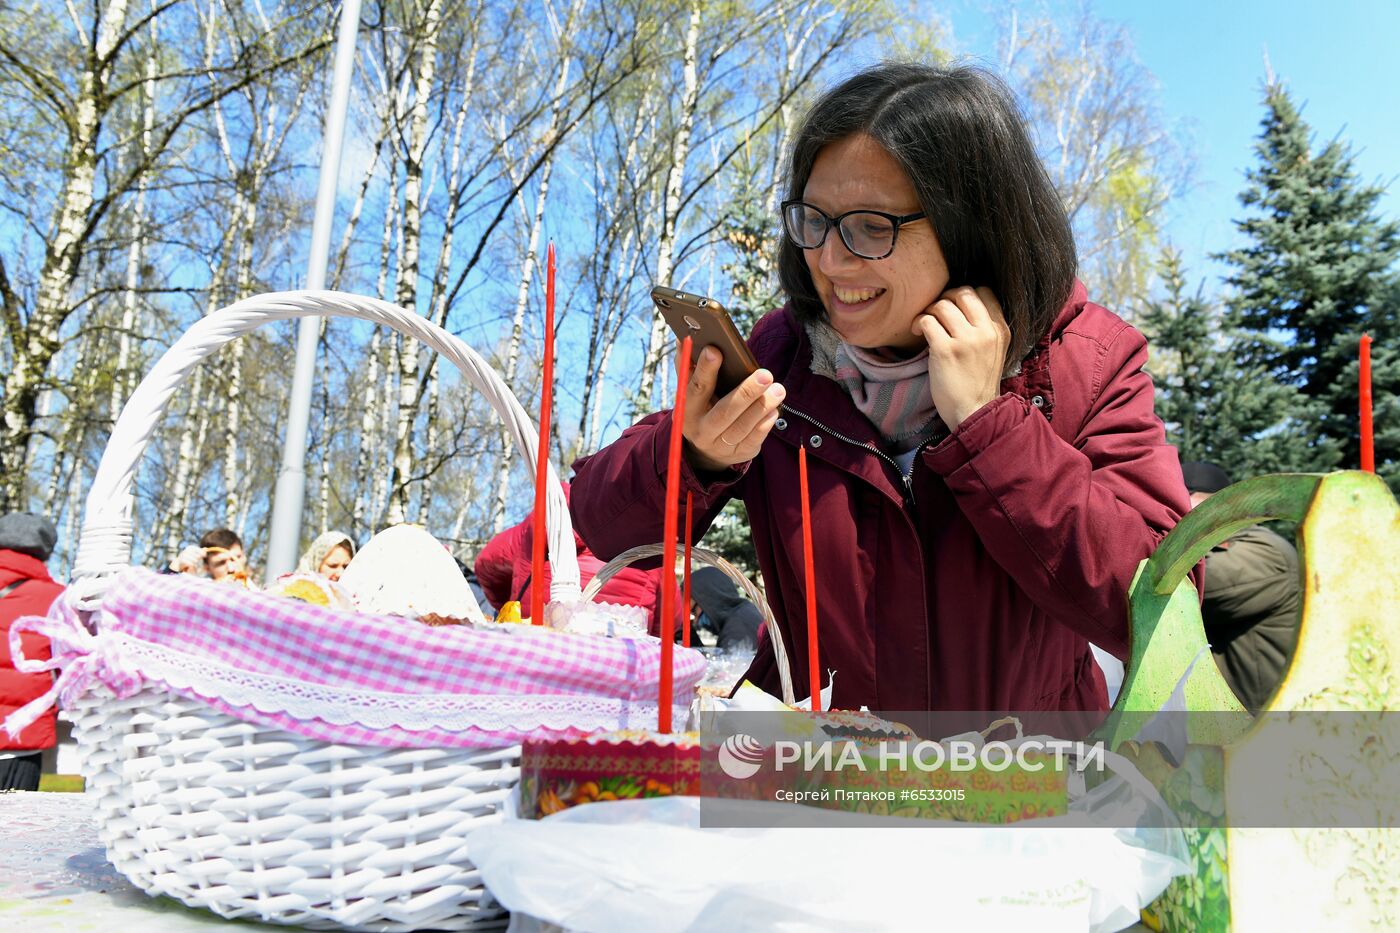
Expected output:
(958, 135)
(221, 538)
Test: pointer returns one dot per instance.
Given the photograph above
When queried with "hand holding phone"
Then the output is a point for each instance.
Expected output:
(731, 404)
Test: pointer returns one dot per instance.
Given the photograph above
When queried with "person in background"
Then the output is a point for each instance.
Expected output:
(717, 605)
(1253, 599)
(224, 559)
(504, 568)
(26, 589)
(328, 555)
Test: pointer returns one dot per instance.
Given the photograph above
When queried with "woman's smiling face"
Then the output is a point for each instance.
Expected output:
(872, 303)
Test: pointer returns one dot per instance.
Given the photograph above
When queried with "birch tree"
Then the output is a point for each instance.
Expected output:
(406, 292)
(675, 174)
(1111, 155)
(705, 71)
(268, 117)
(530, 260)
(76, 80)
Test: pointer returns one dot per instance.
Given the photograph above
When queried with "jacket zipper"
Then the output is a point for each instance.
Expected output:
(908, 478)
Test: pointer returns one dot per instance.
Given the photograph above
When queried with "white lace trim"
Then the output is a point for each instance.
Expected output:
(341, 706)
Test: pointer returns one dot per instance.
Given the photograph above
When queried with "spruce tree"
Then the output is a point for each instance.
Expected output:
(1216, 407)
(1315, 275)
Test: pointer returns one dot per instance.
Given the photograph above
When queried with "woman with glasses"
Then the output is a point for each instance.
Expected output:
(986, 469)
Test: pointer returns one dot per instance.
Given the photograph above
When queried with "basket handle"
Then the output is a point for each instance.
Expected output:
(710, 558)
(1164, 613)
(1248, 502)
(104, 544)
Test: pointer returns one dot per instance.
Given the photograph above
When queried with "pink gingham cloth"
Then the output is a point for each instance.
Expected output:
(343, 676)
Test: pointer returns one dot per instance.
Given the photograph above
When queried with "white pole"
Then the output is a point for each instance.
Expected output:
(291, 478)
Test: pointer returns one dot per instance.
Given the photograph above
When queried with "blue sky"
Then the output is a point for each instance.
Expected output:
(1340, 60)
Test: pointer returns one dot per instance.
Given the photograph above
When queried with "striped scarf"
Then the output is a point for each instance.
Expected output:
(892, 393)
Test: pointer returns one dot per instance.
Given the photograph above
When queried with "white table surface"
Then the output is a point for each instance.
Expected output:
(55, 877)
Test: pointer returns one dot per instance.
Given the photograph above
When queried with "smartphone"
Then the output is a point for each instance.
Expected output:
(708, 324)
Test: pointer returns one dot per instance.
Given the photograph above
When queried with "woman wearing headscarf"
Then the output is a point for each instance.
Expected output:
(328, 555)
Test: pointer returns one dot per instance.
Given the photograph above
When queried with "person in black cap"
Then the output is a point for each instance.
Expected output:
(719, 607)
(1253, 594)
(26, 589)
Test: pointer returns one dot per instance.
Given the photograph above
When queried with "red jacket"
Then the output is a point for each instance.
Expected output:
(980, 585)
(504, 566)
(31, 598)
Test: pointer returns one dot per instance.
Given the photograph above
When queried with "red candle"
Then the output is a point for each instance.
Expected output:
(537, 588)
(685, 573)
(814, 675)
(1368, 449)
(668, 543)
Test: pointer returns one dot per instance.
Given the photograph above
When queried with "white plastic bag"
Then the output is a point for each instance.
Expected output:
(645, 865)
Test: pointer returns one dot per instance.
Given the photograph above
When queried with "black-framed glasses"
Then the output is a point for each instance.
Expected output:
(868, 234)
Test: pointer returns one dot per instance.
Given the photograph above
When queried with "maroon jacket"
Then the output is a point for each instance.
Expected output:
(504, 566)
(978, 583)
(31, 598)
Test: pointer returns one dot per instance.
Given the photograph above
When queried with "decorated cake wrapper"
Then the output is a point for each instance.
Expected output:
(1035, 786)
(556, 774)
(562, 773)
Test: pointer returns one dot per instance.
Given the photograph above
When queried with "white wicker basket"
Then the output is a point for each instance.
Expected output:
(249, 821)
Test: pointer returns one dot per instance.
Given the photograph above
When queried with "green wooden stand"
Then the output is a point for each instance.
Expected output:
(1346, 659)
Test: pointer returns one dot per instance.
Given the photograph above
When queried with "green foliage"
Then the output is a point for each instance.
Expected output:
(730, 538)
(910, 31)
(752, 234)
(1215, 406)
(1317, 272)
(1092, 111)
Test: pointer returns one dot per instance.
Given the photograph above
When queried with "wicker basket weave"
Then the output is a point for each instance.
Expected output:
(250, 821)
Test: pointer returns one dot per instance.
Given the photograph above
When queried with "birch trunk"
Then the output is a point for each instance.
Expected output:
(444, 263)
(194, 429)
(522, 295)
(121, 380)
(233, 387)
(71, 508)
(193, 435)
(425, 493)
(406, 294)
(595, 424)
(384, 417)
(71, 420)
(620, 256)
(363, 483)
(366, 514)
(323, 495)
(675, 177)
(63, 251)
(522, 300)
(468, 498)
